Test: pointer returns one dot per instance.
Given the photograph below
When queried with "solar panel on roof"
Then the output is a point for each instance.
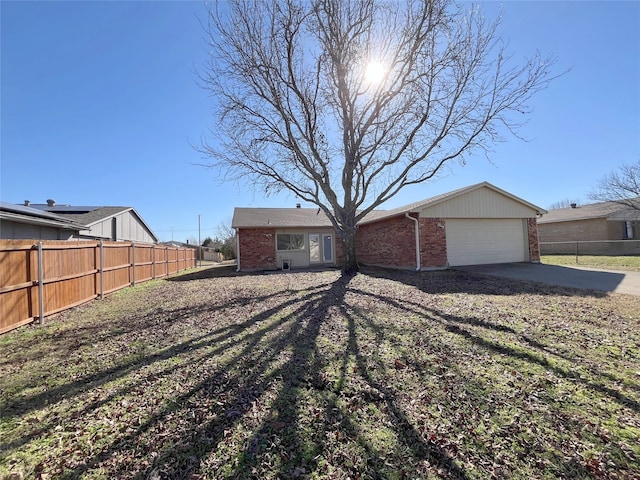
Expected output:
(10, 207)
(70, 209)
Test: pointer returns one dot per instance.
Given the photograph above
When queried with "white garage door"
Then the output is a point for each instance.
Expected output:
(476, 242)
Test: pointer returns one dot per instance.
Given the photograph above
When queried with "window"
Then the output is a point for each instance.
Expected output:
(628, 230)
(290, 241)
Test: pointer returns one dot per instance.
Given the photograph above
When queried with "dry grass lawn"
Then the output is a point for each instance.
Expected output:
(395, 375)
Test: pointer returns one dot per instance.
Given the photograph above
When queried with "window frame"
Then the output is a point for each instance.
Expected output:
(301, 248)
(628, 230)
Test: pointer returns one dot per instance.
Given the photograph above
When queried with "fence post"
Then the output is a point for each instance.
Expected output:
(153, 260)
(133, 264)
(40, 284)
(101, 271)
(577, 243)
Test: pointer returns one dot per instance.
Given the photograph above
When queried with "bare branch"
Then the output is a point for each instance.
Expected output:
(296, 112)
(621, 186)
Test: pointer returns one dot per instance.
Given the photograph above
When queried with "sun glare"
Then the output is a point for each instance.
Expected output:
(375, 73)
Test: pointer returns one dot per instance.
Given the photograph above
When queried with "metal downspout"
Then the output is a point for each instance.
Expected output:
(417, 239)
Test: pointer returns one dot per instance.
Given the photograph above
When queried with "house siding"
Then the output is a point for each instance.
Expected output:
(300, 258)
(481, 203)
(257, 248)
(15, 230)
(128, 227)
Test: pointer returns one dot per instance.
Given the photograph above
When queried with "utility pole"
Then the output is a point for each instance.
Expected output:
(199, 243)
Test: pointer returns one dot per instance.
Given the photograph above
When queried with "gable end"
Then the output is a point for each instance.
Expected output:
(479, 203)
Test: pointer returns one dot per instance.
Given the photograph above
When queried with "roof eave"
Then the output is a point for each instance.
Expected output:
(41, 221)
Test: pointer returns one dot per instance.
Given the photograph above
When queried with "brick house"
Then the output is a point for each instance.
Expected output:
(473, 225)
(596, 221)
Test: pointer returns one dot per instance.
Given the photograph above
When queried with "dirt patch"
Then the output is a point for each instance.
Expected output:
(214, 374)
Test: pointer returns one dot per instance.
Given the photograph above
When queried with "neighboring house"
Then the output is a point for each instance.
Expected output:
(207, 253)
(103, 223)
(22, 222)
(596, 221)
(474, 225)
(177, 244)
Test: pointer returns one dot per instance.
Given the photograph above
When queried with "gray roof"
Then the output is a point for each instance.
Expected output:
(96, 215)
(279, 217)
(83, 214)
(89, 215)
(608, 210)
(34, 216)
(314, 217)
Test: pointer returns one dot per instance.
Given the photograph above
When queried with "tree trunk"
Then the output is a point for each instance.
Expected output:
(349, 260)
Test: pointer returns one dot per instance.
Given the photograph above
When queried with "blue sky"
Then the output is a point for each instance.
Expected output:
(100, 106)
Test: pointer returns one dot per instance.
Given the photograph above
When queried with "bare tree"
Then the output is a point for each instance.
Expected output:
(566, 203)
(226, 236)
(224, 230)
(345, 103)
(622, 186)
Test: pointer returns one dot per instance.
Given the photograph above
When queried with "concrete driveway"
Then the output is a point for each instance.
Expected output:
(575, 277)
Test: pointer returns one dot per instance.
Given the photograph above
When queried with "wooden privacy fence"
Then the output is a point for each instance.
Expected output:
(42, 278)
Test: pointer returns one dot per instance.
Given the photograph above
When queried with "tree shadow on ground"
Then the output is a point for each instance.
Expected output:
(286, 385)
(534, 354)
(278, 367)
(528, 350)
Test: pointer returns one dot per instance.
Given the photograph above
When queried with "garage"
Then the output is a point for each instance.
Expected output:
(484, 241)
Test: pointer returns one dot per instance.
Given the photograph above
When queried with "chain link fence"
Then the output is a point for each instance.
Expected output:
(612, 248)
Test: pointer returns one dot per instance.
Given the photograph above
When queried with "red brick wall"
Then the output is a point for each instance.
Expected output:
(433, 243)
(389, 242)
(392, 243)
(257, 248)
(534, 247)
